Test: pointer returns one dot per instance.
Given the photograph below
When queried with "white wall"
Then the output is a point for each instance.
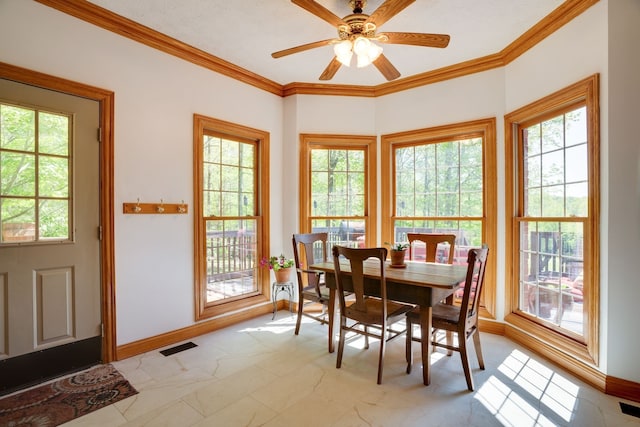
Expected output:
(156, 96)
(623, 186)
(472, 97)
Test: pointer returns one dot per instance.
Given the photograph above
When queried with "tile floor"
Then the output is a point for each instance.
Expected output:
(258, 373)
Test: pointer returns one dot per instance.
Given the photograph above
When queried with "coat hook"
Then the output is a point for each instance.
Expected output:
(160, 208)
(182, 208)
(137, 207)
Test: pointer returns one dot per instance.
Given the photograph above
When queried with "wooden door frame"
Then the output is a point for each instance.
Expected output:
(106, 100)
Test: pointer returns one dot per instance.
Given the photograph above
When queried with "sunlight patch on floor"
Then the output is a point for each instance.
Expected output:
(506, 404)
(278, 326)
(529, 377)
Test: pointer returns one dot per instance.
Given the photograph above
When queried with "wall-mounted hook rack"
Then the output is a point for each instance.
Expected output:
(155, 208)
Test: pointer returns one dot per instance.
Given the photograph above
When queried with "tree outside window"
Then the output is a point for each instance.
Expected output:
(35, 175)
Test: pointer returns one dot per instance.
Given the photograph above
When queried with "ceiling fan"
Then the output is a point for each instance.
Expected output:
(356, 33)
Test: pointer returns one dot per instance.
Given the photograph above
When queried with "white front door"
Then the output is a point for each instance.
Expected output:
(49, 217)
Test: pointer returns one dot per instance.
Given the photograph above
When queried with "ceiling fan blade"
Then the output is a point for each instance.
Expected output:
(387, 10)
(301, 48)
(415, 39)
(386, 68)
(320, 11)
(331, 69)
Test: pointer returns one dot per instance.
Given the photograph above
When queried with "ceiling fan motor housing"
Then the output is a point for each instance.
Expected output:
(355, 26)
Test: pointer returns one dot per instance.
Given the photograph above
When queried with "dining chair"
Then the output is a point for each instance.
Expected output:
(311, 287)
(362, 311)
(431, 241)
(462, 319)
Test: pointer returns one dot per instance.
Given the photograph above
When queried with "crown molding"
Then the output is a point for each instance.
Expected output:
(327, 89)
(120, 25)
(110, 21)
(545, 27)
(446, 73)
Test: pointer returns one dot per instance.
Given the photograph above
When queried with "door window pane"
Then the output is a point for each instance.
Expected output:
(35, 175)
(17, 128)
(53, 134)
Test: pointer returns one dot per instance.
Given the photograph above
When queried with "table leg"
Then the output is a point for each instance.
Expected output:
(425, 330)
(331, 316)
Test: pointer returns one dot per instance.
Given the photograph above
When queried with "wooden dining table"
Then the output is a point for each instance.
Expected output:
(421, 283)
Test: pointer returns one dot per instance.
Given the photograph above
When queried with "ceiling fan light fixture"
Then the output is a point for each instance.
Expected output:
(361, 45)
(343, 52)
(366, 51)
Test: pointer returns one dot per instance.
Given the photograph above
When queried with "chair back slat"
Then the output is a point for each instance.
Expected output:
(312, 248)
(431, 241)
(356, 258)
(308, 249)
(470, 305)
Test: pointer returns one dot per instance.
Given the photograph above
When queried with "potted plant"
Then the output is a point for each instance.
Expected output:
(280, 265)
(397, 253)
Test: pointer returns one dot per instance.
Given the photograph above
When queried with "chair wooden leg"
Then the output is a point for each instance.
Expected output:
(366, 338)
(383, 340)
(299, 320)
(341, 342)
(331, 318)
(464, 355)
(409, 346)
(476, 344)
(449, 336)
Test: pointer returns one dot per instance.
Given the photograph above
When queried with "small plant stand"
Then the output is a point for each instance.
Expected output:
(278, 287)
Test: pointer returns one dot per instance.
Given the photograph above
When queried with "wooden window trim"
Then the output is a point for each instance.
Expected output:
(203, 125)
(485, 128)
(585, 91)
(324, 141)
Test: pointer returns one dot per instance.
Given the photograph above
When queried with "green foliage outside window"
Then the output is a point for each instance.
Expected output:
(440, 180)
(34, 174)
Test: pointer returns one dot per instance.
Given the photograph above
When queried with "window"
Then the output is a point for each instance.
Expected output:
(35, 175)
(442, 180)
(231, 207)
(337, 190)
(552, 145)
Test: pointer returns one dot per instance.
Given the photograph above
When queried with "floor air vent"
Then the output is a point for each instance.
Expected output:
(630, 409)
(177, 349)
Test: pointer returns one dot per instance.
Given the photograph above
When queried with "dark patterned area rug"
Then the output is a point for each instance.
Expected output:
(60, 401)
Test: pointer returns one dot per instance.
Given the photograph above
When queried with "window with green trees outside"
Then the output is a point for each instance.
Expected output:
(35, 175)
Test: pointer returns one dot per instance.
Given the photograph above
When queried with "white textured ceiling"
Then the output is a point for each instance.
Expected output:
(246, 32)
